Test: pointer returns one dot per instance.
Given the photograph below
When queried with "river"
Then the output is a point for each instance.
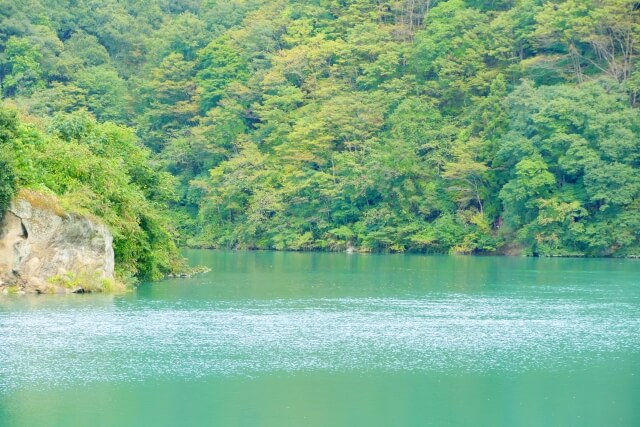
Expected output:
(316, 339)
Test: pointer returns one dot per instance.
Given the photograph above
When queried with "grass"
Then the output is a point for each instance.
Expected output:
(88, 282)
(42, 201)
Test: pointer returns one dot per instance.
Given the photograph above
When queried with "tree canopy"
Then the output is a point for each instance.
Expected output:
(408, 125)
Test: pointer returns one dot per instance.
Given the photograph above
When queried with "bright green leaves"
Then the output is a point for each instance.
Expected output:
(169, 101)
(8, 179)
(612, 184)
(22, 67)
(328, 124)
(576, 171)
(452, 52)
(219, 64)
(8, 184)
(466, 175)
(532, 182)
(591, 37)
(100, 170)
(87, 49)
(106, 93)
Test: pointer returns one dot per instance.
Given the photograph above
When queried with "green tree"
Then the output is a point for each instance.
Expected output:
(22, 69)
(219, 64)
(8, 182)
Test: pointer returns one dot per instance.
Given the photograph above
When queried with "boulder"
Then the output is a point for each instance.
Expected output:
(42, 248)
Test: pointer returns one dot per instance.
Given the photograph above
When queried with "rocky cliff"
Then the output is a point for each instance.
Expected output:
(43, 249)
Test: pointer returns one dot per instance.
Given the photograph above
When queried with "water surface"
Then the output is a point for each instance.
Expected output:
(297, 339)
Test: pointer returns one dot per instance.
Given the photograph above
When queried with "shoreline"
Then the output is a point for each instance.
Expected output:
(369, 252)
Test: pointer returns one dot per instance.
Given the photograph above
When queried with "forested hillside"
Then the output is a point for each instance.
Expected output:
(401, 125)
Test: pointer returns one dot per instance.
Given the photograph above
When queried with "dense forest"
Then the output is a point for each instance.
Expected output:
(462, 126)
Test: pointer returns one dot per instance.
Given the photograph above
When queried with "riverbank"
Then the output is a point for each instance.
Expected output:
(512, 250)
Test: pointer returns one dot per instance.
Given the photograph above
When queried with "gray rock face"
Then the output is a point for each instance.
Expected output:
(39, 245)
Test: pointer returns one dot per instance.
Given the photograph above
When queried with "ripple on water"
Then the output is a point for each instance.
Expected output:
(47, 347)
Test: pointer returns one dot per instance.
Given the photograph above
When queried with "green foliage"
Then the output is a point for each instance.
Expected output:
(102, 171)
(87, 282)
(8, 184)
(219, 65)
(576, 174)
(22, 62)
(449, 126)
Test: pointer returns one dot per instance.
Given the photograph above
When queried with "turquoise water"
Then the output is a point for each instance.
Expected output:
(299, 339)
